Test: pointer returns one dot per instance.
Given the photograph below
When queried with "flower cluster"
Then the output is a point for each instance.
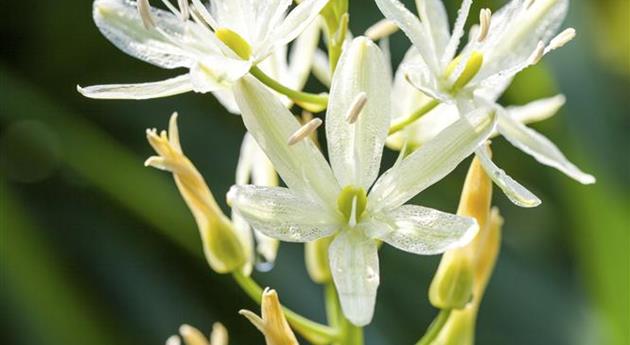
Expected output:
(438, 108)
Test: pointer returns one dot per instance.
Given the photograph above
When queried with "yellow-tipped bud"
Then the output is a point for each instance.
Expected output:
(452, 286)
(235, 42)
(221, 245)
(273, 324)
(316, 257)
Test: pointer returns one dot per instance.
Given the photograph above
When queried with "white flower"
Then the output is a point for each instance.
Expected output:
(505, 43)
(218, 45)
(333, 200)
(254, 167)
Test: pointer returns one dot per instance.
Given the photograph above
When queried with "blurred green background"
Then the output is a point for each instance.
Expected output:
(96, 249)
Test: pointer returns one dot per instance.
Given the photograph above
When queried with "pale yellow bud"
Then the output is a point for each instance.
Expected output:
(316, 257)
(273, 324)
(452, 286)
(193, 336)
(221, 245)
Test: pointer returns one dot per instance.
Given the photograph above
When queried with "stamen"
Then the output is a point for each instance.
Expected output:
(305, 131)
(173, 340)
(537, 54)
(144, 9)
(485, 17)
(381, 29)
(356, 107)
(561, 39)
(184, 9)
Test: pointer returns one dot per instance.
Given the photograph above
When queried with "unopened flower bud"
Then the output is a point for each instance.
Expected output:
(316, 257)
(452, 286)
(193, 336)
(273, 324)
(222, 247)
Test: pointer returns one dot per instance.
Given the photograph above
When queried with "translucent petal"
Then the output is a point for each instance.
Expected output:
(536, 111)
(355, 149)
(420, 76)
(217, 72)
(302, 166)
(302, 54)
(395, 11)
(297, 20)
(435, 20)
(515, 31)
(226, 98)
(425, 231)
(282, 213)
(427, 127)
(458, 32)
(119, 21)
(431, 162)
(539, 147)
(164, 88)
(518, 194)
(355, 270)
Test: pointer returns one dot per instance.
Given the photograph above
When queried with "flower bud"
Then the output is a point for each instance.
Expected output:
(316, 257)
(222, 247)
(273, 324)
(453, 284)
(193, 336)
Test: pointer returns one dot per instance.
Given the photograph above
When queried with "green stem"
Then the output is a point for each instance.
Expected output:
(298, 96)
(312, 331)
(435, 327)
(399, 125)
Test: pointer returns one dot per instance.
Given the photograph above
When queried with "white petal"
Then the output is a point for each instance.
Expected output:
(120, 22)
(420, 76)
(282, 213)
(425, 231)
(536, 111)
(458, 32)
(302, 54)
(539, 147)
(302, 166)
(354, 266)
(410, 24)
(355, 149)
(226, 98)
(515, 32)
(164, 88)
(431, 162)
(427, 127)
(297, 20)
(435, 20)
(217, 72)
(518, 194)
(321, 67)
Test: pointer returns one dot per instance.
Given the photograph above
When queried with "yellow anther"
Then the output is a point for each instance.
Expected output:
(473, 65)
(235, 41)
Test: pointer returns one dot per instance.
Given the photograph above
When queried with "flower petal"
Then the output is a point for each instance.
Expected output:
(433, 161)
(395, 11)
(120, 23)
(458, 32)
(433, 16)
(302, 166)
(354, 265)
(217, 72)
(536, 111)
(539, 147)
(282, 213)
(425, 231)
(355, 149)
(518, 194)
(164, 88)
(302, 54)
(297, 20)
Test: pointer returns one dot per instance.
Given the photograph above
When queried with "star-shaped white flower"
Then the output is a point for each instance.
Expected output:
(217, 44)
(505, 43)
(333, 200)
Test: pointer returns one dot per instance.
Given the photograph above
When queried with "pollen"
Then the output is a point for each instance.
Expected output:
(305, 131)
(356, 107)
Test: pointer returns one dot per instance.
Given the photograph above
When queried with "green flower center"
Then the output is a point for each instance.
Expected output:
(352, 202)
